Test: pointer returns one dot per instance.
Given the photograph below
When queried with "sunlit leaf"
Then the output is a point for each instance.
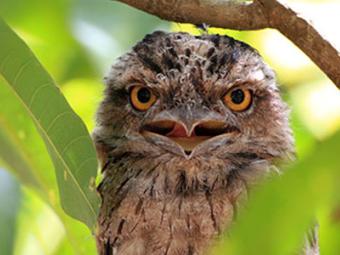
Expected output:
(72, 151)
(280, 212)
(23, 152)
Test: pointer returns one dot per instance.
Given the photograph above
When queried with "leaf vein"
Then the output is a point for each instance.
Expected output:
(72, 142)
(56, 119)
(21, 69)
(36, 92)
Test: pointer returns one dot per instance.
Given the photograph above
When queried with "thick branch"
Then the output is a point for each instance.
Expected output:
(305, 36)
(250, 16)
(217, 13)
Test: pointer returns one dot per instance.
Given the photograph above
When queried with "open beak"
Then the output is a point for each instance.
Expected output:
(188, 137)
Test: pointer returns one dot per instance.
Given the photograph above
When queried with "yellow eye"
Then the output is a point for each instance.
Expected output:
(141, 98)
(238, 99)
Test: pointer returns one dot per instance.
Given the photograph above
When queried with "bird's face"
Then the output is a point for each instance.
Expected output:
(192, 97)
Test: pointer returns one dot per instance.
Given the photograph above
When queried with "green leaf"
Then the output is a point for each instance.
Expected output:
(279, 213)
(22, 151)
(65, 136)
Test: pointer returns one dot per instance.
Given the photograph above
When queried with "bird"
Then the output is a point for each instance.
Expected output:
(187, 126)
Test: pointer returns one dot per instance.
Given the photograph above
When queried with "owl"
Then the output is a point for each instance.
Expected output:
(187, 125)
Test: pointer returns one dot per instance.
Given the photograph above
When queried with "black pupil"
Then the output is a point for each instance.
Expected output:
(237, 96)
(143, 95)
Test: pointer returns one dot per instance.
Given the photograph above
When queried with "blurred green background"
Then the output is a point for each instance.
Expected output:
(77, 41)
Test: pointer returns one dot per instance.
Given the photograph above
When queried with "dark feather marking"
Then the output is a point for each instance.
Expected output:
(173, 52)
(134, 227)
(216, 40)
(168, 62)
(150, 64)
(214, 183)
(152, 170)
(178, 67)
(182, 183)
(230, 41)
(120, 156)
(143, 53)
(166, 184)
(120, 187)
(143, 215)
(198, 64)
(100, 187)
(168, 42)
(107, 248)
(223, 60)
(118, 202)
(213, 59)
(212, 214)
(213, 64)
(120, 193)
(245, 46)
(180, 205)
(231, 176)
(152, 185)
(187, 221)
(117, 96)
(205, 185)
(148, 39)
(120, 226)
(247, 155)
(115, 241)
(210, 52)
(190, 250)
(106, 165)
(139, 206)
(138, 173)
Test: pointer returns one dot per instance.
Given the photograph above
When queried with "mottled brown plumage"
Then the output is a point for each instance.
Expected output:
(158, 197)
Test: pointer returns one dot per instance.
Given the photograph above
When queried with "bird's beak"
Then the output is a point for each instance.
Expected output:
(186, 134)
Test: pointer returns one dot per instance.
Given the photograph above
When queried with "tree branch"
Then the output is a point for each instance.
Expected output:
(305, 36)
(217, 13)
(254, 15)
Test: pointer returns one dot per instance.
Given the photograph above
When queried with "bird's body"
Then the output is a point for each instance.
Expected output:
(186, 126)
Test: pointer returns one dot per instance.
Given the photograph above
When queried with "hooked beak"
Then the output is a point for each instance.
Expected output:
(188, 136)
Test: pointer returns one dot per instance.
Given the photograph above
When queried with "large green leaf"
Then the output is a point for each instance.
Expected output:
(65, 136)
(280, 212)
(22, 151)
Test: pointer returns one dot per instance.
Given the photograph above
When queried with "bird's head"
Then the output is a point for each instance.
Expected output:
(207, 96)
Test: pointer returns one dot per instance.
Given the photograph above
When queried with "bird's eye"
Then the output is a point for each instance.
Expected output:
(238, 99)
(141, 98)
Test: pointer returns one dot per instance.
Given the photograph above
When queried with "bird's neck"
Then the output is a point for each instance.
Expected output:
(159, 202)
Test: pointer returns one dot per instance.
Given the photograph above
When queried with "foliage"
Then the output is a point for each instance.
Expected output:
(76, 41)
(284, 209)
(72, 152)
